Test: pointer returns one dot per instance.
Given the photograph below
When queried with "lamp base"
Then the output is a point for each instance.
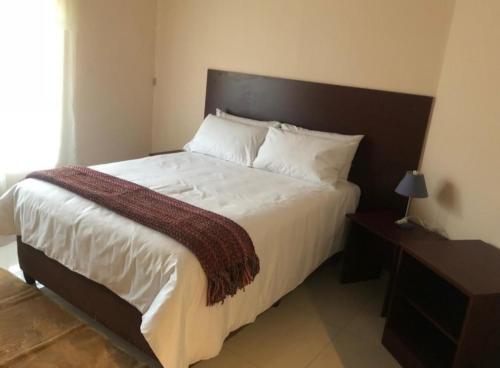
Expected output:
(405, 223)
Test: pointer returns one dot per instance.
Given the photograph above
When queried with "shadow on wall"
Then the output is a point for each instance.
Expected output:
(448, 198)
(448, 203)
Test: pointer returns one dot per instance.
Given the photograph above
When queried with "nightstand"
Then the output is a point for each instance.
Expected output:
(374, 242)
(164, 152)
(445, 310)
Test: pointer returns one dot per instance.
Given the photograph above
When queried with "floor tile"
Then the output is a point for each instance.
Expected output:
(284, 336)
(327, 358)
(226, 359)
(6, 239)
(368, 323)
(350, 351)
(332, 302)
(8, 256)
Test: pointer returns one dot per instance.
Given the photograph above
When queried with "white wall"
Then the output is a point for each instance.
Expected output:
(462, 155)
(114, 71)
(385, 44)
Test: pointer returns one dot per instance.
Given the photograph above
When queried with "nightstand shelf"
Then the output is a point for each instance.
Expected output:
(374, 243)
(424, 345)
(445, 306)
(429, 293)
(436, 322)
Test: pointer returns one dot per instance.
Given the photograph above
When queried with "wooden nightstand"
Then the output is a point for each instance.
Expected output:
(374, 242)
(164, 152)
(446, 306)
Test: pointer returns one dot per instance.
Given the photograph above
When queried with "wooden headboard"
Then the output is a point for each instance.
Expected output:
(394, 124)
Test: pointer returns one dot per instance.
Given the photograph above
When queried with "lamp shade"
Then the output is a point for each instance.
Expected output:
(412, 185)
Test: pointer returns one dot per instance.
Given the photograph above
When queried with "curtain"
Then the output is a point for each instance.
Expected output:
(36, 86)
(67, 147)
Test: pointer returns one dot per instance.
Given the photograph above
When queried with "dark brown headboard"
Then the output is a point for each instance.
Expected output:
(394, 124)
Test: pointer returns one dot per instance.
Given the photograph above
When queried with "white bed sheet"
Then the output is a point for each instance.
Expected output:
(294, 225)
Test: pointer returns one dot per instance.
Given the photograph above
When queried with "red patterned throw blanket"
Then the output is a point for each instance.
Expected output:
(223, 247)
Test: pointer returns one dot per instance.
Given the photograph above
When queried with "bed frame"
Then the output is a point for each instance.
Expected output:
(394, 125)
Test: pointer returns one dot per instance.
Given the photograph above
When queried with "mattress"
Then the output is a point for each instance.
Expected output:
(295, 225)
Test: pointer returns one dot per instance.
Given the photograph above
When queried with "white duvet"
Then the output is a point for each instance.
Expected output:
(294, 225)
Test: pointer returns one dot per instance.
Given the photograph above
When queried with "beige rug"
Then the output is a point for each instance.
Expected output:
(36, 332)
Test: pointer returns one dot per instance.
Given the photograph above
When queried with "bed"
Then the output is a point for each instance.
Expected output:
(148, 288)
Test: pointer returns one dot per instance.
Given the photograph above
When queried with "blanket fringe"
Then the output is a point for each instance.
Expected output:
(230, 280)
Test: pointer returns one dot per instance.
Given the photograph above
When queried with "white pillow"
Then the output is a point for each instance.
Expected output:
(227, 140)
(302, 156)
(225, 115)
(353, 140)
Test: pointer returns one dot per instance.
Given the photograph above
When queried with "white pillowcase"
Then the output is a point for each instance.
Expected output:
(228, 140)
(302, 156)
(352, 140)
(225, 115)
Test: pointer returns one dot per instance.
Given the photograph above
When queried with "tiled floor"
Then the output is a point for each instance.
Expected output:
(321, 324)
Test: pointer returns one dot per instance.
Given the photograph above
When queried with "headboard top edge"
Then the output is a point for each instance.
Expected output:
(319, 83)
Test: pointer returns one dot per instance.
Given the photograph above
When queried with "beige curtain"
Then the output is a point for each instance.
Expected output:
(36, 89)
(67, 149)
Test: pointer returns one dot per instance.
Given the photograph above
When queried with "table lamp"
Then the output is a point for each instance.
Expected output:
(411, 186)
